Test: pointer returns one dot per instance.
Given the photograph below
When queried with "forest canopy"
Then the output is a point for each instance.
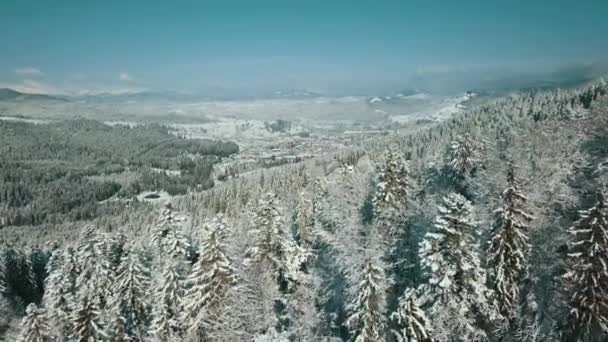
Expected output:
(65, 169)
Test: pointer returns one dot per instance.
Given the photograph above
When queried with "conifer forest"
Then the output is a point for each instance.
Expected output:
(304, 171)
(489, 226)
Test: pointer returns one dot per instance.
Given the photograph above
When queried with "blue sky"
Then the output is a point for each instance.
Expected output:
(329, 46)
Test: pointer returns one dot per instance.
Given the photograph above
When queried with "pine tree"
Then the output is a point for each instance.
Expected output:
(276, 252)
(587, 278)
(167, 234)
(132, 286)
(118, 330)
(95, 278)
(413, 326)
(86, 322)
(391, 199)
(456, 288)
(509, 247)
(273, 247)
(58, 297)
(463, 154)
(392, 189)
(211, 277)
(366, 320)
(34, 326)
(527, 327)
(165, 325)
(305, 220)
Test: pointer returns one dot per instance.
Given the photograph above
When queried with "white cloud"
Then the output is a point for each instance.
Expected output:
(125, 77)
(29, 71)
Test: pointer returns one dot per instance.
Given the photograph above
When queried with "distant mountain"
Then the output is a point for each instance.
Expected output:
(7, 94)
(295, 94)
(139, 97)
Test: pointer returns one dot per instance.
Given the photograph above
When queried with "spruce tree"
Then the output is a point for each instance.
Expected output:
(274, 251)
(509, 247)
(273, 247)
(95, 275)
(463, 155)
(305, 220)
(131, 294)
(166, 325)
(58, 297)
(167, 235)
(412, 324)
(35, 326)
(456, 290)
(366, 321)
(392, 189)
(587, 276)
(211, 277)
(86, 322)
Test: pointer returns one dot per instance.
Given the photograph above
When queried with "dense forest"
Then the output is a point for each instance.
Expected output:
(489, 226)
(68, 170)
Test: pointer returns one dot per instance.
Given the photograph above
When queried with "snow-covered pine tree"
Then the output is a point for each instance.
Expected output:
(305, 220)
(35, 326)
(86, 322)
(587, 276)
(211, 277)
(527, 328)
(412, 324)
(131, 293)
(166, 327)
(463, 154)
(391, 200)
(96, 277)
(167, 235)
(274, 251)
(58, 297)
(366, 319)
(456, 290)
(509, 247)
(118, 331)
(273, 247)
(392, 189)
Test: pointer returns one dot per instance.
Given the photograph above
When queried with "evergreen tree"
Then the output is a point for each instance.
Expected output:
(463, 155)
(165, 325)
(35, 326)
(456, 289)
(273, 247)
(58, 297)
(392, 191)
(587, 278)
(366, 320)
(305, 220)
(528, 322)
(95, 275)
(132, 286)
(276, 252)
(412, 324)
(86, 322)
(167, 234)
(211, 277)
(509, 247)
